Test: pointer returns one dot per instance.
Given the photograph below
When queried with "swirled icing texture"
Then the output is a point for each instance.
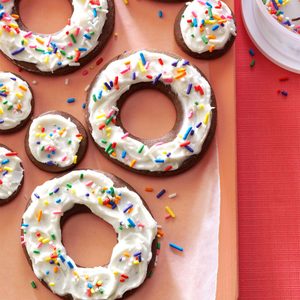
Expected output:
(193, 92)
(15, 101)
(54, 140)
(127, 268)
(52, 51)
(207, 25)
(11, 173)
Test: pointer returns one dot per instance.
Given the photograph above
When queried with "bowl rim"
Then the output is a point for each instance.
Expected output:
(275, 23)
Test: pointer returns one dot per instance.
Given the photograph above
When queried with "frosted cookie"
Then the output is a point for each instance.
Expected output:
(56, 141)
(182, 82)
(83, 37)
(205, 29)
(16, 102)
(11, 174)
(109, 198)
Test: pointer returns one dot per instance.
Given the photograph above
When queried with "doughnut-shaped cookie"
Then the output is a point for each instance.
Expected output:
(183, 83)
(85, 35)
(11, 174)
(16, 102)
(205, 29)
(56, 141)
(115, 202)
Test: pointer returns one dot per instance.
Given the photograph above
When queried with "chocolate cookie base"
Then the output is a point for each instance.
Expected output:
(205, 55)
(189, 162)
(78, 209)
(103, 39)
(25, 121)
(80, 153)
(16, 192)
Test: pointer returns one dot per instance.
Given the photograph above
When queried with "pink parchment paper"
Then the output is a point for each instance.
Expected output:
(179, 276)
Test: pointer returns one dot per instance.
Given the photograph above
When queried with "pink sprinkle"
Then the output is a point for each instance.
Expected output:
(57, 212)
(32, 46)
(141, 225)
(110, 113)
(158, 144)
(40, 245)
(64, 158)
(194, 14)
(125, 135)
(70, 44)
(89, 183)
(85, 72)
(168, 80)
(190, 115)
(125, 71)
(147, 65)
(77, 31)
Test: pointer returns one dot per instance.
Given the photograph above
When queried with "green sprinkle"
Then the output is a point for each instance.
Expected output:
(81, 176)
(73, 38)
(36, 251)
(112, 190)
(103, 141)
(69, 142)
(141, 149)
(69, 185)
(53, 237)
(33, 284)
(204, 39)
(43, 147)
(252, 64)
(108, 120)
(63, 52)
(94, 98)
(158, 246)
(107, 149)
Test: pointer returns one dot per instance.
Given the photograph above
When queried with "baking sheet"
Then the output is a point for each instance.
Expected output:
(186, 275)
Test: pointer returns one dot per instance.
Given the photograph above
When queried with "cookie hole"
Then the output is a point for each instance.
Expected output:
(45, 16)
(148, 114)
(89, 240)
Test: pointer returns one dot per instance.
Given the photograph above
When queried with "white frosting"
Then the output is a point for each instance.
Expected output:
(52, 199)
(15, 100)
(52, 51)
(11, 173)
(287, 13)
(207, 25)
(196, 106)
(54, 140)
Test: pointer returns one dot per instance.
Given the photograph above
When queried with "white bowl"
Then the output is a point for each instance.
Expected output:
(278, 35)
(276, 42)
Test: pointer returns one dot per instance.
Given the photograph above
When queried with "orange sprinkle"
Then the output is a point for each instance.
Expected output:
(211, 48)
(180, 75)
(132, 163)
(39, 216)
(149, 189)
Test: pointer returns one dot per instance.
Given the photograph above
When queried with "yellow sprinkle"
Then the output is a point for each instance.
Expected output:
(100, 200)
(100, 116)
(37, 134)
(75, 159)
(170, 211)
(75, 274)
(13, 25)
(1, 110)
(86, 276)
(46, 202)
(132, 163)
(201, 106)
(40, 239)
(23, 88)
(116, 273)
(19, 95)
(99, 283)
(43, 134)
(126, 2)
(46, 60)
(141, 67)
(136, 262)
(8, 169)
(39, 215)
(92, 291)
(206, 118)
(41, 41)
(45, 241)
(180, 75)
(51, 283)
(127, 62)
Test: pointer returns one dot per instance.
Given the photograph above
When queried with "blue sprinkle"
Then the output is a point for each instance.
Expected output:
(1, 121)
(58, 200)
(5, 161)
(62, 258)
(188, 91)
(176, 247)
(18, 51)
(189, 148)
(87, 36)
(89, 285)
(124, 154)
(95, 12)
(70, 265)
(132, 224)
(187, 133)
(159, 161)
(160, 193)
(71, 100)
(107, 85)
(215, 27)
(160, 14)
(37, 196)
(82, 49)
(155, 81)
(83, 105)
(127, 208)
(143, 58)
(133, 76)
(198, 125)
(100, 95)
